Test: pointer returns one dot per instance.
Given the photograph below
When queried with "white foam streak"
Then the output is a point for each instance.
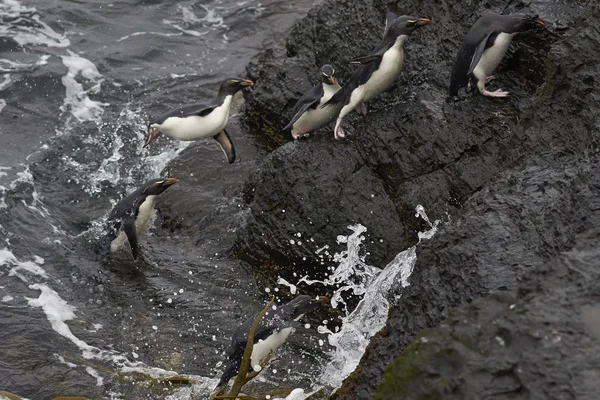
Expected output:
(58, 311)
(33, 31)
(33, 267)
(6, 81)
(95, 374)
(77, 100)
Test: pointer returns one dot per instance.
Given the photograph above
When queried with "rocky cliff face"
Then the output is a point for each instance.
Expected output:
(516, 175)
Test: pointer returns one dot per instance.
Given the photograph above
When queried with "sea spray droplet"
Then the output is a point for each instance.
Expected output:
(281, 281)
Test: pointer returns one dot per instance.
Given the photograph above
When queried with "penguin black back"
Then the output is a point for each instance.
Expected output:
(124, 214)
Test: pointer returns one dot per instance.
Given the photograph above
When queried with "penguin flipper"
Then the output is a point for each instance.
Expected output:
(308, 100)
(488, 41)
(304, 108)
(226, 144)
(130, 231)
(366, 59)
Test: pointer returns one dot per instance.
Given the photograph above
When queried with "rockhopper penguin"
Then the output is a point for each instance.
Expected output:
(200, 120)
(484, 47)
(378, 70)
(308, 117)
(272, 332)
(129, 218)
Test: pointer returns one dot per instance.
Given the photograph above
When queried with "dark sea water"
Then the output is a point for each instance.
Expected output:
(78, 80)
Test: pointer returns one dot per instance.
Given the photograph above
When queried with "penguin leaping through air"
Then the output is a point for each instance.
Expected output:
(308, 117)
(200, 120)
(129, 218)
(378, 70)
(484, 47)
(272, 332)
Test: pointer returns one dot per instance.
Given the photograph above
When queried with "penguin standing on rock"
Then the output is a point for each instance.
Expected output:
(273, 330)
(308, 117)
(129, 218)
(484, 47)
(378, 70)
(200, 120)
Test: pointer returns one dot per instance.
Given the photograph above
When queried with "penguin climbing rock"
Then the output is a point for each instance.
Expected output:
(378, 70)
(272, 332)
(200, 120)
(308, 117)
(484, 47)
(129, 218)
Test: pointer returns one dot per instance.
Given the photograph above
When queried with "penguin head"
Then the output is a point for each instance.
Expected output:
(232, 85)
(157, 186)
(327, 74)
(303, 304)
(404, 25)
(524, 22)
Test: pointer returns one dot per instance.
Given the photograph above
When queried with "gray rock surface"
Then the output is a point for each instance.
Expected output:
(516, 176)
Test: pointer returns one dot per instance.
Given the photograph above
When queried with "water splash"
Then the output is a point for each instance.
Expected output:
(352, 273)
(376, 286)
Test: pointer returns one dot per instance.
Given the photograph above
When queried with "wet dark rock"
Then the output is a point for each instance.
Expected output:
(540, 342)
(516, 176)
(508, 233)
(415, 146)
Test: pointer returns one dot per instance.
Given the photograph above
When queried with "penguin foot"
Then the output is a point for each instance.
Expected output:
(339, 133)
(497, 93)
(489, 78)
(361, 109)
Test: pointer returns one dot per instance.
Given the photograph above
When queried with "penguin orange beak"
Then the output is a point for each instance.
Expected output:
(424, 21)
(323, 299)
(331, 79)
(246, 82)
(151, 136)
(541, 24)
(170, 181)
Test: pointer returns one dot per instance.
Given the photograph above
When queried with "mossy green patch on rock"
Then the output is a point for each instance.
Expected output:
(426, 369)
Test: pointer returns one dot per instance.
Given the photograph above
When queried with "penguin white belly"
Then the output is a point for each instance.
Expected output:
(492, 56)
(384, 76)
(389, 68)
(262, 348)
(145, 212)
(316, 118)
(195, 127)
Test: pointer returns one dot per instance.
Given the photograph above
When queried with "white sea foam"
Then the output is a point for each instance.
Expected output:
(28, 28)
(2, 105)
(5, 82)
(134, 34)
(58, 311)
(77, 100)
(19, 267)
(95, 374)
